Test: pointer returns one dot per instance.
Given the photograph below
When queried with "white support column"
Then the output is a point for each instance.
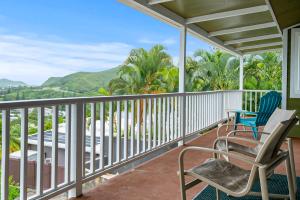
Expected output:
(241, 73)
(284, 68)
(182, 61)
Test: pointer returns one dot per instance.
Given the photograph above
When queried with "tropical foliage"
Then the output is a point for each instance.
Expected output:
(263, 71)
(208, 70)
(148, 72)
(145, 72)
(13, 187)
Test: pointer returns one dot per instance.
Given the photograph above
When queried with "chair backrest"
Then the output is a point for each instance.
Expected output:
(271, 147)
(268, 103)
(273, 142)
(279, 115)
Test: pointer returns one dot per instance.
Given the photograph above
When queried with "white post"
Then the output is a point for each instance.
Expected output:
(182, 61)
(241, 73)
(76, 149)
(284, 68)
(5, 154)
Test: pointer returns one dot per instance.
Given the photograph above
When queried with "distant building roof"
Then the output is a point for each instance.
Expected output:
(32, 139)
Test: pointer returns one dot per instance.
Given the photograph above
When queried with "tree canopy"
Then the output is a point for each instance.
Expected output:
(152, 71)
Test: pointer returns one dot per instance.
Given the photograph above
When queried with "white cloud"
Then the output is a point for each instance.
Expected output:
(34, 60)
(168, 41)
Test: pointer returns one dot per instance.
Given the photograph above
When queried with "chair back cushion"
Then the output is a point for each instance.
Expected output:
(273, 142)
(268, 103)
(279, 115)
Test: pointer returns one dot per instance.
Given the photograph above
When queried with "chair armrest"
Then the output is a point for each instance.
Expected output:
(230, 125)
(250, 113)
(236, 138)
(214, 151)
(228, 138)
(231, 133)
(246, 112)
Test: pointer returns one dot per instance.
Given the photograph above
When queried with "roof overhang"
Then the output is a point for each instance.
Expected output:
(239, 27)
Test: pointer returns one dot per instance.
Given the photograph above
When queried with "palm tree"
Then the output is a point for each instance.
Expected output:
(143, 72)
(263, 71)
(214, 70)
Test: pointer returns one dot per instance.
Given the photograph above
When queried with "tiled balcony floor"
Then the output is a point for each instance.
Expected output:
(157, 179)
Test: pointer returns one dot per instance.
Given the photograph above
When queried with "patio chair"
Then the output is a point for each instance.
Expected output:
(235, 181)
(268, 103)
(278, 116)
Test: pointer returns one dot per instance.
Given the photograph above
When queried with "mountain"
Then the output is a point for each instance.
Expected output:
(82, 82)
(5, 83)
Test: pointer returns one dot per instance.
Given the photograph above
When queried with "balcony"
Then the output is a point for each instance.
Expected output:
(91, 137)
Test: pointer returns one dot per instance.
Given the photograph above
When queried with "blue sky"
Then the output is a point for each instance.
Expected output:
(39, 39)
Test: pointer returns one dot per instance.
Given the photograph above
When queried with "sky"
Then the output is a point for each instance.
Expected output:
(41, 39)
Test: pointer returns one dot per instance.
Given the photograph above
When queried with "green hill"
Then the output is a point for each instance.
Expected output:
(5, 83)
(82, 82)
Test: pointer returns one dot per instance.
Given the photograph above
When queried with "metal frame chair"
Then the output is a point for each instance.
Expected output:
(234, 180)
(277, 116)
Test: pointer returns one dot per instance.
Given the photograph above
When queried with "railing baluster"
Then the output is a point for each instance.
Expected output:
(54, 151)
(40, 155)
(24, 148)
(144, 123)
(194, 113)
(246, 101)
(67, 144)
(132, 129)
(168, 119)
(190, 114)
(255, 101)
(172, 118)
(197, 112)
(118, 147)
(164, 121)
(251, 101)
(202, 111)
(206, 116)
(154, 122)
(126, 130)
(5, 153)
(138, 115)
(111, 134)
(150, 122)
(93, 138)
(159, 121)
(176, 118)
(83, 139)
(102, 134)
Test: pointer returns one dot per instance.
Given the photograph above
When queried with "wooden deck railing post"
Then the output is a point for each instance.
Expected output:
(77, 150)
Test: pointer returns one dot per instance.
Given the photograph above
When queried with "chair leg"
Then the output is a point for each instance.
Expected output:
(218, 194)
(292, 162)
(228, 119)
(255, 132)
(263, 184)
(290, 180)
(182, 186)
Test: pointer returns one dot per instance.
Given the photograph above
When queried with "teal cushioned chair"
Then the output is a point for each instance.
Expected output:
(268, 103)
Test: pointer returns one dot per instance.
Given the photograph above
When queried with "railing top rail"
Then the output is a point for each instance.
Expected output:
(75, 100)
(260, 90)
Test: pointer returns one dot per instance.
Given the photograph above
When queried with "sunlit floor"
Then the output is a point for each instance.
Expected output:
(158, 180)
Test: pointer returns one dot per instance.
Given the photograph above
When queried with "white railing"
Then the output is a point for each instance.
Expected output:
(104, 133)
(251, 99)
